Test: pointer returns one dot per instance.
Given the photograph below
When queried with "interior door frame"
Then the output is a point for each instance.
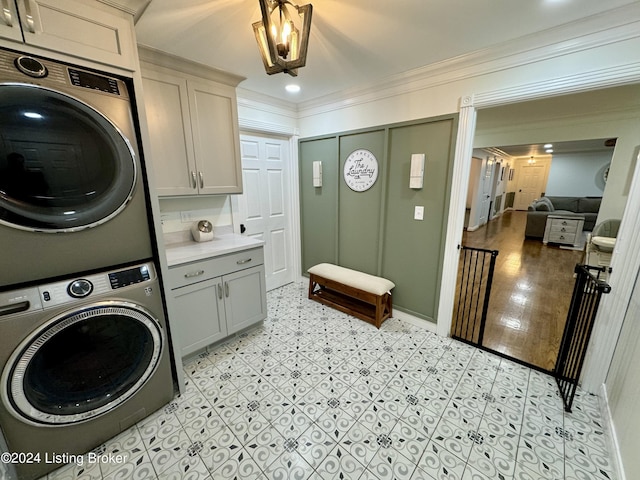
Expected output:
(626, 260)
(252, 127)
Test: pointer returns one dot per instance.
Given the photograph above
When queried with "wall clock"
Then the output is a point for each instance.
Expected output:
(360, 170)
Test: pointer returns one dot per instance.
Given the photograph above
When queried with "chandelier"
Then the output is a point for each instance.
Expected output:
(283, 37)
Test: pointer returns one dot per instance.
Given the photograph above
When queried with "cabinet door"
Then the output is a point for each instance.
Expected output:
(214, 117)
(167, 107)
(10, 23)
(79, 29)
(245, 300)
(196, 318)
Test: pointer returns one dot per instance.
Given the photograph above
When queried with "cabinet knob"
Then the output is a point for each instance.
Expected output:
(220, 291)
(226, 289)
(242, 262)
(201, 179)
(194, 181)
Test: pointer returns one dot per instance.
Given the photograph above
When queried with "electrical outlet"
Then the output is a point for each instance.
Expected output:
(186, 217)
(418, 213)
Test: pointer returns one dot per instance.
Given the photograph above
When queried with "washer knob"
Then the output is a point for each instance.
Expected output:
(80, 288)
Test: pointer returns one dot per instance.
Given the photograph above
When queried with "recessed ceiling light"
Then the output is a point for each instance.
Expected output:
(292, 88)
(549, 150)
(548, 145)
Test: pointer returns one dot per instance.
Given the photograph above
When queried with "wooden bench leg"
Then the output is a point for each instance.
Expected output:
(379, 311)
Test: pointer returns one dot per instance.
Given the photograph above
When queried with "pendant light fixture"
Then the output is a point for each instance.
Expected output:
(283, 35)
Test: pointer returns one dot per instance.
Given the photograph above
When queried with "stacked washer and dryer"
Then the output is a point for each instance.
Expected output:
(84, 342)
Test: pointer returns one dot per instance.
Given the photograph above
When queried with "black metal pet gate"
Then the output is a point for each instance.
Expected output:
(475, 276)
(587, 293)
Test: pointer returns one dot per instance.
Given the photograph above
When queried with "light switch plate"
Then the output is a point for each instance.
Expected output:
(418, 213)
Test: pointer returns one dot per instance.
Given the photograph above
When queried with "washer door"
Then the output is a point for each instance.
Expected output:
(82, 364)
(63, 165)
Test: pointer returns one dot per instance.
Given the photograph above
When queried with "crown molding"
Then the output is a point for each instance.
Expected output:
(162, 59)
(609, 27)
(132, 7)
(266, 103)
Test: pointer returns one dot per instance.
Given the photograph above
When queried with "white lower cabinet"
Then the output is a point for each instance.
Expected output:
(217, 297)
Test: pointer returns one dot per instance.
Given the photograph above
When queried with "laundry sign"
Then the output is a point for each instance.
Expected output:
(360, 170)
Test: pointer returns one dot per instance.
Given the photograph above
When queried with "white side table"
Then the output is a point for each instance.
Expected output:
(564, 229)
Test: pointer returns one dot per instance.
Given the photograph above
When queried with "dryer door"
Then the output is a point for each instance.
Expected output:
(63, 165)
(82, 364)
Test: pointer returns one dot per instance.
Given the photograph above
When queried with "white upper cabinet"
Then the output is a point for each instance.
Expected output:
(84, 29)
(193, 129)
(169, 122)
(10, 22)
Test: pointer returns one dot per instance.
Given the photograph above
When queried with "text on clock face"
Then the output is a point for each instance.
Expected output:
(360, 170)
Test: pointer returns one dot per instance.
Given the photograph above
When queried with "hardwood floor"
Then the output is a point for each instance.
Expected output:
(531, 290)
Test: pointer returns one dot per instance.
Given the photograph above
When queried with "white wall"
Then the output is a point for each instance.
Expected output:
(179, 214)
(608, 113)
(623, 388)
(578, 174)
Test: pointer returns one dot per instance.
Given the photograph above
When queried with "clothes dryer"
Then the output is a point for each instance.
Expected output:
(82, 360)
(72, 190)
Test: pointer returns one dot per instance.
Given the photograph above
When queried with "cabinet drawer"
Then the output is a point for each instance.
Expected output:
(240, 260)
(188, 273)
(559, 237)
(567, 227)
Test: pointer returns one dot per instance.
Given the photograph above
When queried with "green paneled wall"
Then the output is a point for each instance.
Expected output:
(374, 231)
(359, 212)
(319, 206)
(412, 250)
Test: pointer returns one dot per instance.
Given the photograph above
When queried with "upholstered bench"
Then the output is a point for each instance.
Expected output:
(364, 296)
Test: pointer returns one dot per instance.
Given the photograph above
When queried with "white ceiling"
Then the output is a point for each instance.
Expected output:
(355, 42)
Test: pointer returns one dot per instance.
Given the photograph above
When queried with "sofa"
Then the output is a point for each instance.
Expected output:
(541, 208)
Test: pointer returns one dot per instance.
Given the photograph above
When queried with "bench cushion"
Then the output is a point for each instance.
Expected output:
(353, 278)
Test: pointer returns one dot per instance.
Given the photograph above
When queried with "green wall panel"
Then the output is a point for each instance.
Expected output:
(319, 205)
(412, 249)
(375, 231)
(359, 212)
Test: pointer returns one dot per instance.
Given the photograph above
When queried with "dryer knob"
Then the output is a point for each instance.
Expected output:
(30, 66)
(80, 288)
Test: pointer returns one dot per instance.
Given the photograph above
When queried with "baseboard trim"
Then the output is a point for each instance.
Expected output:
(418, 322)
(610, 432)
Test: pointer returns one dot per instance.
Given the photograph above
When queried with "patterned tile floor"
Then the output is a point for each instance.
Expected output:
(316, 394)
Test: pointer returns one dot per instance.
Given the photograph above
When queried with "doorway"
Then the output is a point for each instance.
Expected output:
(265, 206)
(533, 282)
(530, 293)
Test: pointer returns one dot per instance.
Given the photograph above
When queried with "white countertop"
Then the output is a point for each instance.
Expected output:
(190, 251)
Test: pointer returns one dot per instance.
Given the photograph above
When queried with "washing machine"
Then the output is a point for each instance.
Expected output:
(73, 195)
(83, 358)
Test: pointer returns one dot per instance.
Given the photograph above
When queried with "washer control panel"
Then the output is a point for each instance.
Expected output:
(131, 276)
(80, 288)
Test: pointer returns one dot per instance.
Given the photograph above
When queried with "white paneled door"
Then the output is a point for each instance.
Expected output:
(531, 184)
(265, 205)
